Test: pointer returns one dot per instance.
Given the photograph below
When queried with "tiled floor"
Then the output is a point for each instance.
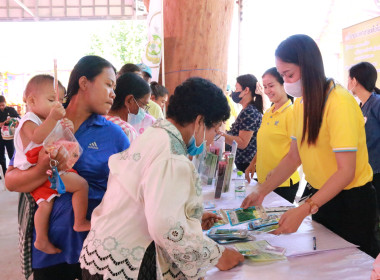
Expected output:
(9, 261)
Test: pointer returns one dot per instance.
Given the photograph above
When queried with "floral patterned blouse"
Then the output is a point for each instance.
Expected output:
(154, 194)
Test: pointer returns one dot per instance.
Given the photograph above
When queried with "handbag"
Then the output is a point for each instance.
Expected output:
(8, 130)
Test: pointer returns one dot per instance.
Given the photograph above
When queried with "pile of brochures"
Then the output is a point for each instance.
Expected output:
(261, 251)
(258, 218)
(239, 215)
(228, 235)
(271, 222)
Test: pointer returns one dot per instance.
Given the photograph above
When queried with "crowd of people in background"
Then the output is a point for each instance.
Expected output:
(6, 139)
(134, 180)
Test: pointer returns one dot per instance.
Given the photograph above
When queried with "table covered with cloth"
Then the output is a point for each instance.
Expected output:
(347, 263)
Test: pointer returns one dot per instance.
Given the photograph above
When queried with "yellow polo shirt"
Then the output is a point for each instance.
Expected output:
(233, 113)
(155, 110)
(273, 141)
(342, 130)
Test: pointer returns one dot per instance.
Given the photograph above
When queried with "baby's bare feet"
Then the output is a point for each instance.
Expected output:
(82, 226)
(46, 247)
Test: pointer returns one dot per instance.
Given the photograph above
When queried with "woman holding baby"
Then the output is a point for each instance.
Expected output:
(90, 94)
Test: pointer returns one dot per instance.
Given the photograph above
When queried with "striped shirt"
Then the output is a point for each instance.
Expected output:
(128, 129)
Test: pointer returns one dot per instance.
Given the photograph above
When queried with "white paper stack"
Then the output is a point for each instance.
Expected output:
(301, 243)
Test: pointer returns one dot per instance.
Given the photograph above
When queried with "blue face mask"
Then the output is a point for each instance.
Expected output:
(193, 149)
(136, 119)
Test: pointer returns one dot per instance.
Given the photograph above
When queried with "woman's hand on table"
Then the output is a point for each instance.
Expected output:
(209, 219)
(291, 220)
(229, 259)
(249, 172)
(255, 198)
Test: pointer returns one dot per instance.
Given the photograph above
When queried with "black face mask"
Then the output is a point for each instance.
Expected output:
(235, 96)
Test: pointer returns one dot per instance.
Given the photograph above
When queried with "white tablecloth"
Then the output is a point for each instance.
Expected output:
(348, 263)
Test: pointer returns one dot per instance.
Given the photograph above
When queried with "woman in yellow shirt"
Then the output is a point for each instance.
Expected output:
(273, 137)
(329, 140)
(235, 109)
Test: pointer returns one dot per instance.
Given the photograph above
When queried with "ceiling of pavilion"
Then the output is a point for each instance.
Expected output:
(45, 10)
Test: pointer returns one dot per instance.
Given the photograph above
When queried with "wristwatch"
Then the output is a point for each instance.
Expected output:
(313, 206)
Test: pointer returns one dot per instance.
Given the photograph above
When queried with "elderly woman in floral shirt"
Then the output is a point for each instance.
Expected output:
(149, 224)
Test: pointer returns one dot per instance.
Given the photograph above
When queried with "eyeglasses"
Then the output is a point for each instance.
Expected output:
(145, 107)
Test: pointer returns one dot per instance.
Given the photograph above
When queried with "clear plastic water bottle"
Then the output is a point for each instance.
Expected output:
(240, 185)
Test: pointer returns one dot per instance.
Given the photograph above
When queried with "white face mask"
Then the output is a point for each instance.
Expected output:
(357, 99)
(353, 94)
(351, 91)
(294, 89)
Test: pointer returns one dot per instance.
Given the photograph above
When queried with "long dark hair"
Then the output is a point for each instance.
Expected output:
(158, 90)
(89, 66)
(274, 73)
(303, 51)
(366, 74)
(250, 81)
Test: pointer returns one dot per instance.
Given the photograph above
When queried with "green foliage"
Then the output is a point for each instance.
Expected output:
(96, 46)
(123, 42)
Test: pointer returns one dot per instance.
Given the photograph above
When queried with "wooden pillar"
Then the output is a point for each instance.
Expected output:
(196, 35)
(196, 39)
